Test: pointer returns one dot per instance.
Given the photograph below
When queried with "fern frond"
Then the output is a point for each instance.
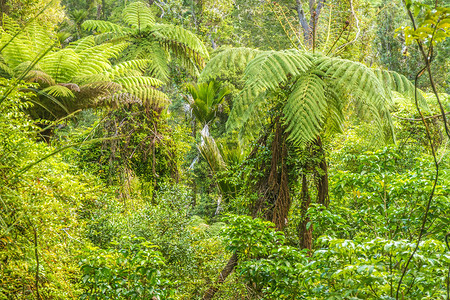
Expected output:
(82, 44)
(335, 116)
(149, 95)
(132, 81)
(158, 59)
(305, 109)
(138, 15)
(271, 68)
(62, 65)
(181, 42)
(93, 78)
(38, 36)
(59, 91)
(394, 81)
(226, 60)
(17, 51)
(104, 27)
(355, 78)
(125, 67)
(40, 77)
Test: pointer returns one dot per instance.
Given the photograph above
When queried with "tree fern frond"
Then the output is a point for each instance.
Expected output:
(149, 95)
(92, 78)
(59, 91)
(132, 81)
(40, 77)
(5, 71)
(125, 67)
(181, 42)
(271, 68)
(38, 36)
(355, 78)
(158, 60)
(226, 60)
(138, 15)
(394, 81)
(17, 51)
(82, 44)
(335, 117)
(104, 26)
(305, 109)
(91, 92)
(62, 65)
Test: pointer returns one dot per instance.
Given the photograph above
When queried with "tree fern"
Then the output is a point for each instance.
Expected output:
(305, 109)
(152, 41)
(225, 60)
(138, 15)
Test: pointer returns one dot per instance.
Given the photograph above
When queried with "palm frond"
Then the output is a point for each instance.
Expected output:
(138, 15)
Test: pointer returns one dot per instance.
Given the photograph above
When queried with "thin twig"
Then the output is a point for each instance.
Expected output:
(425, 118)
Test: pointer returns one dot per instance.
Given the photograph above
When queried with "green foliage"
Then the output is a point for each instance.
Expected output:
(129, 272)
(79, 76)
(152, 41)
(39, 227)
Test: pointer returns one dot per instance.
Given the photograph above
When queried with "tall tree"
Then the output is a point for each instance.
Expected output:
(298, 96)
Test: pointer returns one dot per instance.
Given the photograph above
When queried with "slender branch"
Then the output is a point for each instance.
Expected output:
(448, 276)
(425, 118)
(37, 263)
(425, 217)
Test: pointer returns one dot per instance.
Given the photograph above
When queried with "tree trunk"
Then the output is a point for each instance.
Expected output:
(222, 276)
(321, 175)
(304, 233)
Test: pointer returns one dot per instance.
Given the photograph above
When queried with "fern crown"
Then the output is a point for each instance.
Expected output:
(309, 91)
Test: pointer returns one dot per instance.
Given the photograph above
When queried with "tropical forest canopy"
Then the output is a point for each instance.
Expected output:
(227, 149)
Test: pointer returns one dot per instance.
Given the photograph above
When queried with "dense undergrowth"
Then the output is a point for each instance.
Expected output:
(278, 174)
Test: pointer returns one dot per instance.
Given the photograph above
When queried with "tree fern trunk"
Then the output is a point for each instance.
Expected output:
(321, 175)
(222, 276)
(305, 233)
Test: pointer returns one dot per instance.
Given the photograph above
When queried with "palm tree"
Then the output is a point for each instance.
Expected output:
(297, 97)
(153, 41)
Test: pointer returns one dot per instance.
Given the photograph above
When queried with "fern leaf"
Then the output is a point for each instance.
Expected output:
(61, 65)
(149, 95)
(182, 42)
(82, 44)
(394, 81)
(305, 109)
(133, 81)
(59, 91)
(125, 67)
(271, 68)
(227, 60)
(138, 15)
(104, 27)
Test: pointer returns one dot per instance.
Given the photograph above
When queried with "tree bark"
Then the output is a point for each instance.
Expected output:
(305, 234)
(322, 175)
(222, 276)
